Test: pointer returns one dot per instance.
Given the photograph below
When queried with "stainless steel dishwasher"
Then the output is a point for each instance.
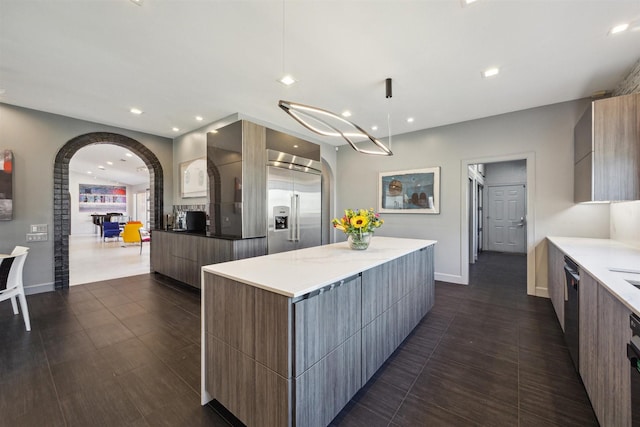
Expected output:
(633, 353)
(572, 310)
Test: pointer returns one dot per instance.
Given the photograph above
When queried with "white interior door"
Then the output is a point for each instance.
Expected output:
(506, 218)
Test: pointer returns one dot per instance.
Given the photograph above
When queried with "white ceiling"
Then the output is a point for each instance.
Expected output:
(129, 170)
(95, 59)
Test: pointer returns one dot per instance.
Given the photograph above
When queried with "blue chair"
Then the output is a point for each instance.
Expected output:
(110, 229)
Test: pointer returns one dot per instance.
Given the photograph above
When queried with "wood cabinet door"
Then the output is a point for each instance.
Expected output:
(324, 321)
(616, 149)
(613, 366)
(324, 389)
(588, 332)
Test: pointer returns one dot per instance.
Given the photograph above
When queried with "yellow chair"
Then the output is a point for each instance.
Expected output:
(130, 233)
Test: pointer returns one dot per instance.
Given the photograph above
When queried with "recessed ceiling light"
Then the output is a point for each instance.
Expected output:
(467, 2)
(295, 146)
(89, 172)
(175, 129)
(135, 111)
(138, 2)
(491, 72)
(410, 120)
(619, 28)
(287, 80)
(129, 155)
(374, 127)
(199, 118)
(110, 163)
(101, 167)
(214, 131)
(346, 113)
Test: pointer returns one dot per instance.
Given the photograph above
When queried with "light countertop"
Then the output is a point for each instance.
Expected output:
(599, 256)
(296, 273)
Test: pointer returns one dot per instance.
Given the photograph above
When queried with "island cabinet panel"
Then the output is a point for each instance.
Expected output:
(273, 398)
(324, 320)
(613, 366)
(412, 296)
(324, 389)
(588, 331)
(273, 332)
(182, 255)
(556, 281)
(235, 327)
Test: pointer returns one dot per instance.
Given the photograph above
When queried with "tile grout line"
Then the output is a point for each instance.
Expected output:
(55, 388)
(421, 369)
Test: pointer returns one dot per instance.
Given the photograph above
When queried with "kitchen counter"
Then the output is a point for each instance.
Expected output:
(598, 257)
(296, 273)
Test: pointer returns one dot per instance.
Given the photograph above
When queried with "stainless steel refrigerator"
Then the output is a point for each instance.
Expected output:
(294, 203)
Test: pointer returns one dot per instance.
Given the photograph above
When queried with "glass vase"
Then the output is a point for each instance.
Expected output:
(359, 241)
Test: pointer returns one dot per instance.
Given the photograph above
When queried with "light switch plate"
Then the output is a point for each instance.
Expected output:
(37, 237)
(38, 228)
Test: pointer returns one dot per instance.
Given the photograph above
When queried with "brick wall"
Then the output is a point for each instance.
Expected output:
(631, 83)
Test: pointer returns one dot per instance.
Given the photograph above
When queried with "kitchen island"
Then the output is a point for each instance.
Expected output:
(289, 338)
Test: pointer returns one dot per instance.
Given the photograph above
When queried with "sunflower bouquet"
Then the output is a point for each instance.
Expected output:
(358, 221)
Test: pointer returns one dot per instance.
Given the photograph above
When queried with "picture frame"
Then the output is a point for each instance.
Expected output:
(102, 198)
(193, 178)
(6, 185)
(415, 191)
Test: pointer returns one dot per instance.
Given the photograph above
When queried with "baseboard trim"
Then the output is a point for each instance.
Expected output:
(542, 292)
(38, 289)
(450, 278)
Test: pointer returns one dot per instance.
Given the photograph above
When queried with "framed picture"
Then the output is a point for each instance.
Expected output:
(193, 178)
(410, 191)
(6, 185)
(103, 198)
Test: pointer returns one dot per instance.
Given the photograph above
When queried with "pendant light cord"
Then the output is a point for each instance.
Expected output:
(283, 37)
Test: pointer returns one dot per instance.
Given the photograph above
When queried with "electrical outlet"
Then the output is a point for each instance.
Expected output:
(37, 237)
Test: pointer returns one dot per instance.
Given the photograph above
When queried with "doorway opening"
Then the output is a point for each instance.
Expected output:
(497, 215)
(62, 195)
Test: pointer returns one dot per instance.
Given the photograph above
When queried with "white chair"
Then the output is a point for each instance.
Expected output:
(15, 286)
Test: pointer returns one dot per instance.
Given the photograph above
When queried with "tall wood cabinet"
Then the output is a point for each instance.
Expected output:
(607, 151)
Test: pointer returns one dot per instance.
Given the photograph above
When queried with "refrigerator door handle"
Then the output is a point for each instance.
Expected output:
(292, 220)
(297, 236)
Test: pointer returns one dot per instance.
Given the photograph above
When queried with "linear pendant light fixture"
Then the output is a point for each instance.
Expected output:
(327, 123)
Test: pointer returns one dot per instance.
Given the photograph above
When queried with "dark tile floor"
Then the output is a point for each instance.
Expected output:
(126, 352)
(487, 354)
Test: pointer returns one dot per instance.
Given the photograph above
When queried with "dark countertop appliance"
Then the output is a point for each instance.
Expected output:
(572, 310)
(633, 353)
(196, 221)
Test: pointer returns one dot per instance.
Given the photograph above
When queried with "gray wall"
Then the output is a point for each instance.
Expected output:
(35, 138)
(545, 134)
(514, 172)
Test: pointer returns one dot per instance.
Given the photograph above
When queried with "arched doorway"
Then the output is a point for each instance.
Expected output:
(61, 202)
